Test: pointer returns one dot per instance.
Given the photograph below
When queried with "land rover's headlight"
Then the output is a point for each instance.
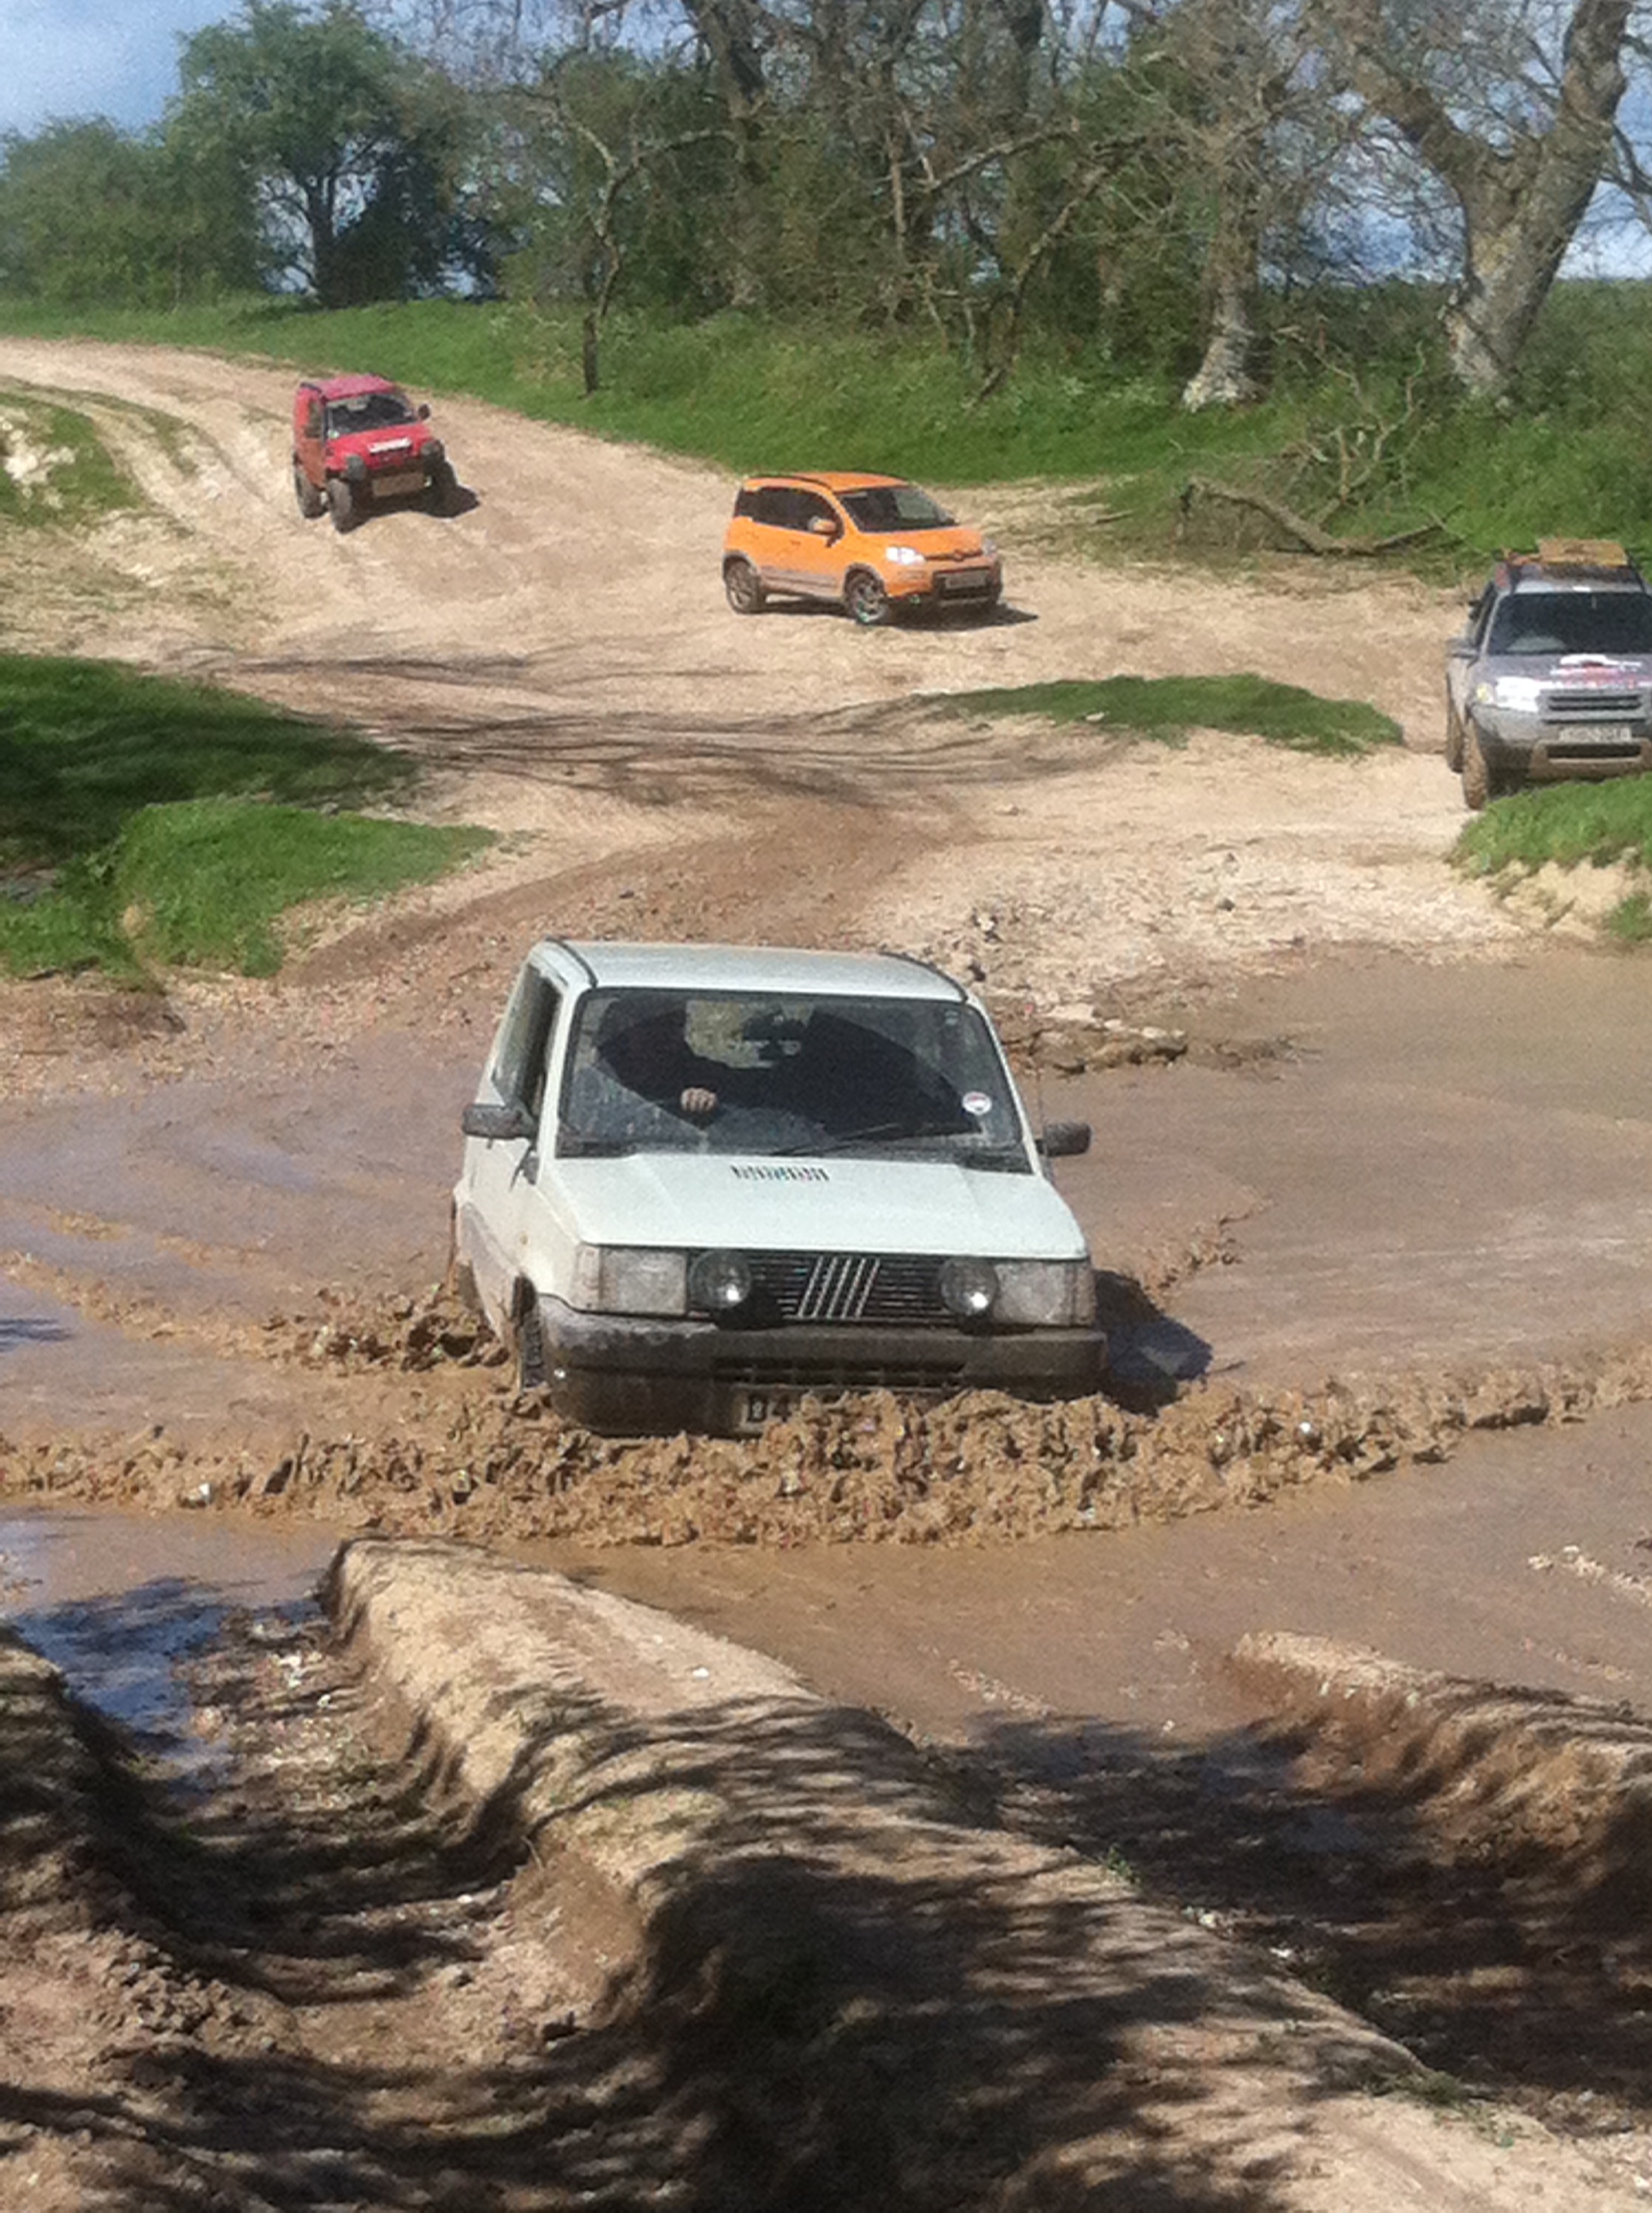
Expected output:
(1515, 695)
(631, 1279)
(1045, 1294)
(904, 557)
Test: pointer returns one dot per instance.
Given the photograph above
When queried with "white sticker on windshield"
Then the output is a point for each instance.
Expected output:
(977, 1103)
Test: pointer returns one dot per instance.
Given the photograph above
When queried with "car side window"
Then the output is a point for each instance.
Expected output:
(1480, 614)
(312, 419)
(518, 1066)
(770, 503)
(811, 507)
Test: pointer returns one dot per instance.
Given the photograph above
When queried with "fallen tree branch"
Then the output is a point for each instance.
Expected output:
(1309, 535)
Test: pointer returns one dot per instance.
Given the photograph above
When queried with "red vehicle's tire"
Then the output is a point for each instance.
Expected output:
(311, 500)
(444, 490)
(343, 504)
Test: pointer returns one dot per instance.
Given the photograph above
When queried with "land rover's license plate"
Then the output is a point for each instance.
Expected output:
(398, 482)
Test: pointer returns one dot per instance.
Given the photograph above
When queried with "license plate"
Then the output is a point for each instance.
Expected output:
(398, 482)
(977, 583)
(1602, 733)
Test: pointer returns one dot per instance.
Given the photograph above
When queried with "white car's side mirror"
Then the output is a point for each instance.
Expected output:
(511, 1120)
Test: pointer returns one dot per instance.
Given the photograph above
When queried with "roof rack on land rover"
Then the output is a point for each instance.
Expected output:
(1591, 553)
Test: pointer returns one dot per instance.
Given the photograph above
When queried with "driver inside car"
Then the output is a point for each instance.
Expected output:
(645, 1078)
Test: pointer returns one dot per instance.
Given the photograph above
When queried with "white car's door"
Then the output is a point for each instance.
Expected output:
(497, 1181)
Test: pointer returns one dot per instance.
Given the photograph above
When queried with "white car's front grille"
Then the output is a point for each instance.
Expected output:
(849, 1287)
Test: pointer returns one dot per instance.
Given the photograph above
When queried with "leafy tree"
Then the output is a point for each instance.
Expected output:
(354, 148)
(89, 212)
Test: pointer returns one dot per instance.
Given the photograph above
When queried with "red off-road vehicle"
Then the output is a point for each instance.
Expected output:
(360, 440)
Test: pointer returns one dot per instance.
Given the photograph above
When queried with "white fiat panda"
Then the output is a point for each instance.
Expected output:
(700, 1182)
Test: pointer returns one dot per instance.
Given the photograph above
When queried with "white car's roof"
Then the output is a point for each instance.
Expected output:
(781, 969)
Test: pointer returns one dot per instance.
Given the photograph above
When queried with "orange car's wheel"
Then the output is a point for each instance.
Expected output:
(745, 588)
(866, 599)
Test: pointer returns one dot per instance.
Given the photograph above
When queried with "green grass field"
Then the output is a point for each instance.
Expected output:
(1168, 707)
(145, 822)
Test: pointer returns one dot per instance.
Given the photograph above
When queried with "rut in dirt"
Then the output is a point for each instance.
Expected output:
(321, 1983)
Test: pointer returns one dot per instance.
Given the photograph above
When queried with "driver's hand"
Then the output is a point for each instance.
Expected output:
(698, 1103)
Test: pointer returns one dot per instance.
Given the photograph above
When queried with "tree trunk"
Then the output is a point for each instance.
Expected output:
(1223, 378)
(1521, 203)
(1513, 249)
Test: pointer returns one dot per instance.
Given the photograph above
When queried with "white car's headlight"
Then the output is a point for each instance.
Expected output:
(1515, 695)
(1045, 1294)
(629, 1279)
(904, 557)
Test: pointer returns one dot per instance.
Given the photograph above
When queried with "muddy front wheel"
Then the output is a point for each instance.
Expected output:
(866, 601)
(533, 1373)
(311, 501)
(343, 504)
(1476, 770)
(1454, 740)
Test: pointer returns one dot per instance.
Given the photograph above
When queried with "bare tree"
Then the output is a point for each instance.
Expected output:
(1521, 158)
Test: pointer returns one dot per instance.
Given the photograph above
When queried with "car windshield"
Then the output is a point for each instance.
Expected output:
(368, 411)
(1540, 623)
(787, 1076)
(895, 507)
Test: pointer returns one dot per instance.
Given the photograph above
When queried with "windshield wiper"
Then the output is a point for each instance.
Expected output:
(876, 1133)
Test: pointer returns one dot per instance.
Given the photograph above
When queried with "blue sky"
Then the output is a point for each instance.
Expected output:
(78, 57)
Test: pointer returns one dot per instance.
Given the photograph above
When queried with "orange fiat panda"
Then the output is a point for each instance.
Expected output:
(872, 545)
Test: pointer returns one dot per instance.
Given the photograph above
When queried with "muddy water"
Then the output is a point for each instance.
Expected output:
(1403, 1167)
(1527, 1559)
(118, 1601)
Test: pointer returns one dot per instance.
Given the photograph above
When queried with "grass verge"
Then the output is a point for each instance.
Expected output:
(54, 466)
(145, 821)
(1166, 707)
(1570, 825)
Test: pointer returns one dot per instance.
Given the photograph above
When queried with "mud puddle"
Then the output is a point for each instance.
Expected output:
(122, 1603)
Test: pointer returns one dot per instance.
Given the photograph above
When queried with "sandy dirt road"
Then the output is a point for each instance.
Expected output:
(1408, 1141)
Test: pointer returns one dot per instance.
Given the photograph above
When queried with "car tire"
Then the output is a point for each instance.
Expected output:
(312, 501)
(443, 490)
(533, 1371)
(342, 504)
(866, 599)
(1454, 740)
(744, 588)
(1477, 782)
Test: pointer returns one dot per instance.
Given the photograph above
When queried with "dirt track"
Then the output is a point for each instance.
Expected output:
(1380, 1057)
